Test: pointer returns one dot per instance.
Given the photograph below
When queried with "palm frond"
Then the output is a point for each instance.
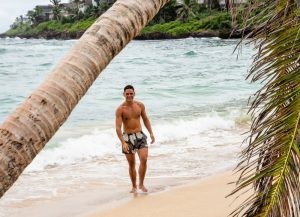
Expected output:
(271, 161)
(185, 9)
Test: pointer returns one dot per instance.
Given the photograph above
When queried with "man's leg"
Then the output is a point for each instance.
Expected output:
(132, 172)
(143, 155)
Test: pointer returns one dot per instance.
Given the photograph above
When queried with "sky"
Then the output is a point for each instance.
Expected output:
(9, 10)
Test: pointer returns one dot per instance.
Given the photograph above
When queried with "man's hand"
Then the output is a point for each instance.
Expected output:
(152, 138)
(125, 147)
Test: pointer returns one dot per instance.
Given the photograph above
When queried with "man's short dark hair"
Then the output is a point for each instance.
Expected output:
(128, 87)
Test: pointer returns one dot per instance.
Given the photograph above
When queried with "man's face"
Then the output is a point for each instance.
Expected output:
(129, 95)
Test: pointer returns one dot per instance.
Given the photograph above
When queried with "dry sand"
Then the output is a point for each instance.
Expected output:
(204, 198)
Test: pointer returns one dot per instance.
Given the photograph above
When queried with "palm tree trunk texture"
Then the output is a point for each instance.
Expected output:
(26, 131)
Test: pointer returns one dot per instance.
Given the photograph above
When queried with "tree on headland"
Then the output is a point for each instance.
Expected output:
(185, 10)
(213, 4)
(97, 2)
(167, 13)
(26, 131)
(19, 21)
(227, 5)
(104, 6)
(271, 162)
(35, 15)
(56, 9)
(55, 2)
(77, 3)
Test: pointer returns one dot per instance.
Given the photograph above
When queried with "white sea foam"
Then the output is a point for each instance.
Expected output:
(104, 144)
(72, 150)
(182, 129)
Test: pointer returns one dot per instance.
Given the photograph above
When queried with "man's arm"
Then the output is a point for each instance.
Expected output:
(119, 131)
(147, 122)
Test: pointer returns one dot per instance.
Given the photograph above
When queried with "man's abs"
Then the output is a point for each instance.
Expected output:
(132, 125)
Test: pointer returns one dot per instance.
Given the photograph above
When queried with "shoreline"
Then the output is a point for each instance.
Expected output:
(204, 197)
(98, 200)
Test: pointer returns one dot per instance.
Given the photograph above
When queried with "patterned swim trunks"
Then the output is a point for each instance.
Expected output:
(135, 141)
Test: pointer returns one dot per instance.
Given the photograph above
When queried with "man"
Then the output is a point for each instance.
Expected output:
(133, 139)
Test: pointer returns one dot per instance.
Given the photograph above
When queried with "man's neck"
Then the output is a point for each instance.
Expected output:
(129, 103)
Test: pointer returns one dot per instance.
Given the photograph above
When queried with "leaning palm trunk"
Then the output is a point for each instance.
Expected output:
(271, 162)
(26, 131)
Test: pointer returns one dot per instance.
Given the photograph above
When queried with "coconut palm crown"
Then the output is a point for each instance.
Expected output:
(185, 9)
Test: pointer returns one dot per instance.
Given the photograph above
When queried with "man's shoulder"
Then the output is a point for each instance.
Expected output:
(140, 104)
(120, 108)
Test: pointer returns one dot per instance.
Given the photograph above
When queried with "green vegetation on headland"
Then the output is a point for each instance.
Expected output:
(52, 29)
(214, 23)
(175, 20)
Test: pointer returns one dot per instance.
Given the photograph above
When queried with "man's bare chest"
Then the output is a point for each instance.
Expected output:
(131, 113)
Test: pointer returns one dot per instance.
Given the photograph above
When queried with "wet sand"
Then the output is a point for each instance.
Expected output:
(167, 197)
(201, 198)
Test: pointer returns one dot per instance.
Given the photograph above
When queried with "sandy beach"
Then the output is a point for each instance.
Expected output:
(201, 198)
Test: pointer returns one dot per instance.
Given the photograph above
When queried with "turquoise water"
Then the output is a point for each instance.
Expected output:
(173, 78)
(195, 95)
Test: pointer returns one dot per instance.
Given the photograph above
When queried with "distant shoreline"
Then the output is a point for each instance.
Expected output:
(208, 24)
(48, 35)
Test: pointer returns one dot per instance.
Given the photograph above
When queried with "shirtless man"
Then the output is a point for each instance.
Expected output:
(133, 139)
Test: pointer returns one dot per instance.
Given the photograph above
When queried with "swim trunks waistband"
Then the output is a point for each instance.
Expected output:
(133, 133)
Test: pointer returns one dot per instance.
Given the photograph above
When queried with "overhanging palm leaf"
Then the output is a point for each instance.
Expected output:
(271, 162)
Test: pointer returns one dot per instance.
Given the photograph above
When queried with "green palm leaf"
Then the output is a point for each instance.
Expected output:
(271, 161)
(185, 9)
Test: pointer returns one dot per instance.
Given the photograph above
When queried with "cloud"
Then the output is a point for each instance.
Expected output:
(9, 10)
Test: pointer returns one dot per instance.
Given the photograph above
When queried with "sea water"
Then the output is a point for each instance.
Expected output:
(195, 95)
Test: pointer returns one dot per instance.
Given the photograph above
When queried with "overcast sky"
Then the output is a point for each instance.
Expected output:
(9, 10)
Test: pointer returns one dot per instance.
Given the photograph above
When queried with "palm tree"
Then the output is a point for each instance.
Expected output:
(213, 4)
(25, 132)
(77, 3)
(227, 2)
(167, 13)
(185, 10)
(55, 2)
(97, 2)
(271, 162)
(35, 15)
(56, 9)
(19, 21)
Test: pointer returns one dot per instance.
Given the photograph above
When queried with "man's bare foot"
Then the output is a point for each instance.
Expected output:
(133, 190)
(143, 188)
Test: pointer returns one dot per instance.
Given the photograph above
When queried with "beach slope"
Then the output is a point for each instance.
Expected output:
(203, 198)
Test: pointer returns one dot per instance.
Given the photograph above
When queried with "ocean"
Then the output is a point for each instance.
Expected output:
(196, 98)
